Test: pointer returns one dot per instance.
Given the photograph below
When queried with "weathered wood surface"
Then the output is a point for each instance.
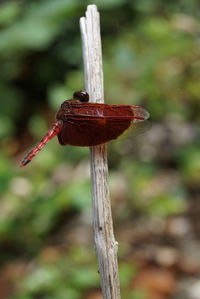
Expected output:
(105, 244)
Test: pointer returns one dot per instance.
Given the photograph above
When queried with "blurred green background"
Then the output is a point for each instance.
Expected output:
(151, 58)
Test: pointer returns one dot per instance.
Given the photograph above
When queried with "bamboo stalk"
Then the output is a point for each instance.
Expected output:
(105, 244)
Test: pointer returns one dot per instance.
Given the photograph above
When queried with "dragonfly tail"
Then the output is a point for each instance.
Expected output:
(55, 129)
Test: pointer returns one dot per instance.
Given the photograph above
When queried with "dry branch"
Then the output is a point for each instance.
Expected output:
(105, 244)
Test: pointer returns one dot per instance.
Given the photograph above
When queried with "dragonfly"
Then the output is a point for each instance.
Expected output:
(83, 123)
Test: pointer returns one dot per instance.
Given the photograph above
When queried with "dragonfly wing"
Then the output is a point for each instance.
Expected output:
(90, 110)
(93, 124)
(139, 114)
(92, 131)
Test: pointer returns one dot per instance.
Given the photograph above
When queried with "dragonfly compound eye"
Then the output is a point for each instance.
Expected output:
(81, 95)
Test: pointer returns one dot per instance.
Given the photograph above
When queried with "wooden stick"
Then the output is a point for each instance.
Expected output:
(105, 244)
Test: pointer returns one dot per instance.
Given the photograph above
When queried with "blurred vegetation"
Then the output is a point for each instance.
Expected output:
(151, 58)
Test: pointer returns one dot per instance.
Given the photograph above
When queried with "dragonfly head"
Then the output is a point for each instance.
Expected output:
(81, 95)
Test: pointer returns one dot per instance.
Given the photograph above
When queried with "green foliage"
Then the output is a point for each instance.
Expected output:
(190, 163)
(9, 12)
(127, 272)
(50, 279)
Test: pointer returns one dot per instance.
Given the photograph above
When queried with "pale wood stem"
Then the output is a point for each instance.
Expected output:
(105, 244)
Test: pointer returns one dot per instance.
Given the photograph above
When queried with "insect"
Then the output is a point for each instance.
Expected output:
(81, 123)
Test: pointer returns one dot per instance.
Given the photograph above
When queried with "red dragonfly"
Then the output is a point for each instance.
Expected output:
(81, 123)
